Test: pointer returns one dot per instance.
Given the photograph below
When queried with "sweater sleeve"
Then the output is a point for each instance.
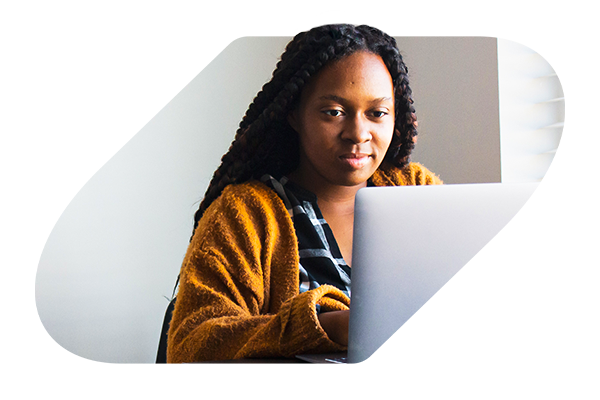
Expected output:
(238, 295)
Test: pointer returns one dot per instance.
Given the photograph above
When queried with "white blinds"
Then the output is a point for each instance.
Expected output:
(532, 111)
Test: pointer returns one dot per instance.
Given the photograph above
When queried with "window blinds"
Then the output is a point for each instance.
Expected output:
(532, 111)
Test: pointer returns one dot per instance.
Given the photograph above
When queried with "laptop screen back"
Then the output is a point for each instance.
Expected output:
(459, 274)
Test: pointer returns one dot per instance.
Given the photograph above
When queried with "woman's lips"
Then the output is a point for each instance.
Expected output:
(355, 160)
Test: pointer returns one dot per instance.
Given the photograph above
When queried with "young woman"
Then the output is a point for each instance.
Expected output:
(267, 272)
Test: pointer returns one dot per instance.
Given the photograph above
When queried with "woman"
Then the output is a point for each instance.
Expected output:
(267, 272)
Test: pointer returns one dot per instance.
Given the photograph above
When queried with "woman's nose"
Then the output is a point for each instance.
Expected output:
(357, 130)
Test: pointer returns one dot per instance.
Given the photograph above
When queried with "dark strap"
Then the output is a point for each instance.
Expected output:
(175, 288)
(161, 356)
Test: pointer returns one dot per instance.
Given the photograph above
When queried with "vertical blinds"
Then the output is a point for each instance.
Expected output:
(532, 112)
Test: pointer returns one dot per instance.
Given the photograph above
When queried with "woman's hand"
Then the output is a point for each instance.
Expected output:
(335, 324)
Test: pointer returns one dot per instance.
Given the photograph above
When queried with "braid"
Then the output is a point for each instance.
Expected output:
(403, 142)
(265, 142)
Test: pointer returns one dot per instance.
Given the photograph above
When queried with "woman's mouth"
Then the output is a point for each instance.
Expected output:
(355, 160)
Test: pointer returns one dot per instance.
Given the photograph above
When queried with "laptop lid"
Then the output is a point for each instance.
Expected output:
(459, 274)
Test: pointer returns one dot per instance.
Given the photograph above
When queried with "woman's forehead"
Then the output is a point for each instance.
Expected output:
(361, 72)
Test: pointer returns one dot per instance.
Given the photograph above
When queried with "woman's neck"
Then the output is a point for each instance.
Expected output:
(328, 194)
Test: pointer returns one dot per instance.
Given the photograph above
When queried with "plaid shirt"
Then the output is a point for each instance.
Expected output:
(321, 261)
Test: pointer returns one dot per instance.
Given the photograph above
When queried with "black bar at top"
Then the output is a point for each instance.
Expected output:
(284, 23)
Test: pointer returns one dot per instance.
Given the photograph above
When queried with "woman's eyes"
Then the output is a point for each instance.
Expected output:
(333, 113)
(339, 113)
(379, 114)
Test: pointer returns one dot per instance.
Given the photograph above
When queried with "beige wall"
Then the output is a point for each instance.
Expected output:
(455, 85)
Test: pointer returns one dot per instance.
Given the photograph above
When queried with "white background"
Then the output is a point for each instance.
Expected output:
(576, 378)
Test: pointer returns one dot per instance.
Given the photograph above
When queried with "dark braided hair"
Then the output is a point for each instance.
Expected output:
(266, 143)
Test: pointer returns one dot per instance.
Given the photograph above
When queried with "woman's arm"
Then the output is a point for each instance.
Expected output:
(223, 330)
(238, 295)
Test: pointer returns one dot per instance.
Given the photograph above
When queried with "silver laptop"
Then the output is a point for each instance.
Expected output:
(458, 274)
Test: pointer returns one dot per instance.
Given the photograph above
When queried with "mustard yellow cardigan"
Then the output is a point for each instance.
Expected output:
(239, 285)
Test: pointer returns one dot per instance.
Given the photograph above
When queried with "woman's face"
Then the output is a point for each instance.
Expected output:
(345, 122)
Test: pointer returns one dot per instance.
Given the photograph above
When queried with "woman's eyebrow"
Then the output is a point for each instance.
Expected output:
(340, 99)
(333, 97)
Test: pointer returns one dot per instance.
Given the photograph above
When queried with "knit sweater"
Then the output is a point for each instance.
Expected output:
(239, 288)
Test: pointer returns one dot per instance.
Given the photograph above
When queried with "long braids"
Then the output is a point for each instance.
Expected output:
(265, 142)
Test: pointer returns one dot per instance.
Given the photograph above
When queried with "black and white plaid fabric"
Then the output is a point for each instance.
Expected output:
(321, 261)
